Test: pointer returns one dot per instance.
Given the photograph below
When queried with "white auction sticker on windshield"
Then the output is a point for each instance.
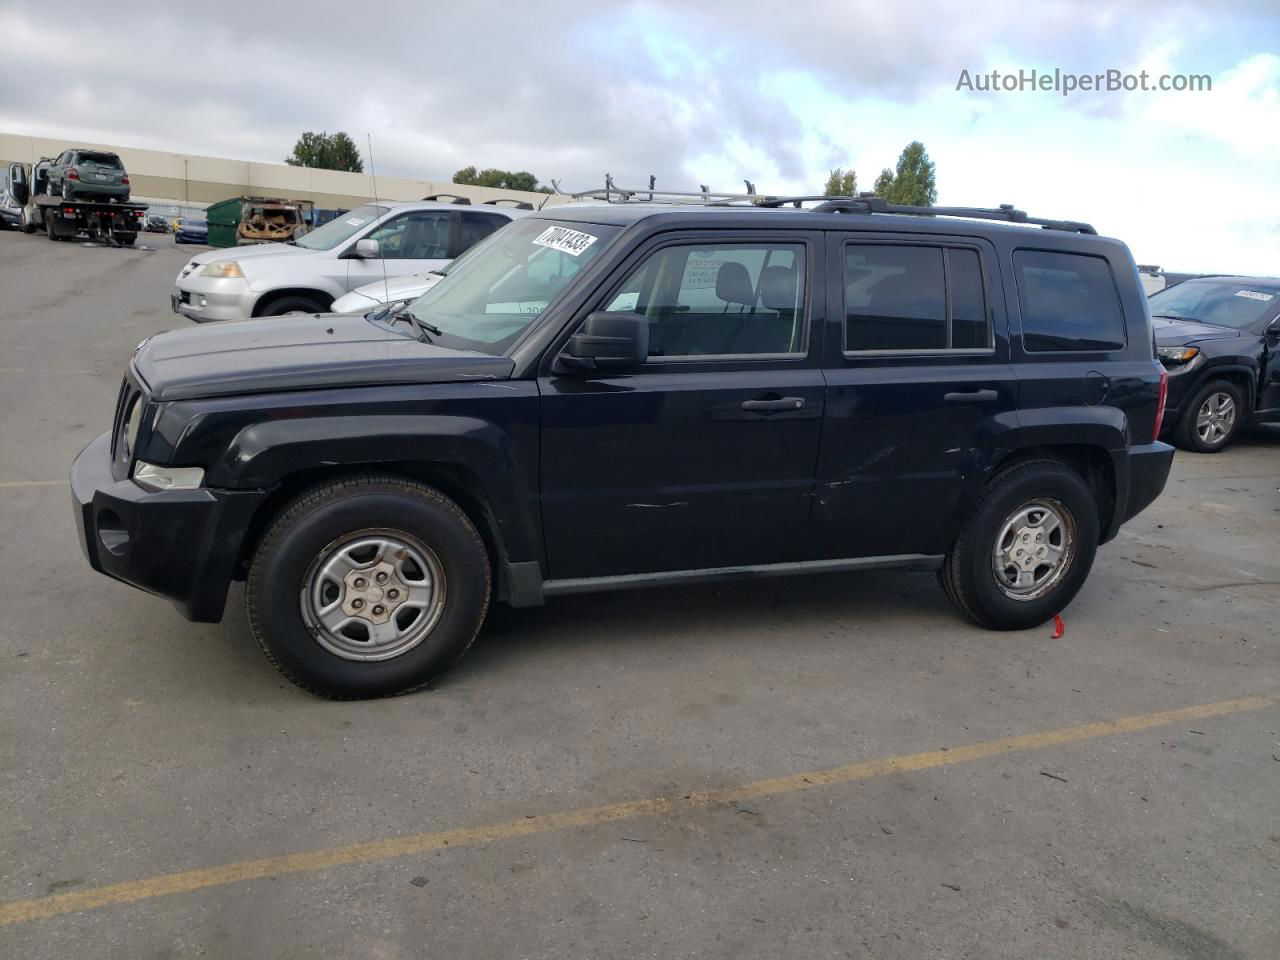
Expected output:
(1255, 295)
(354, 221)
(565, 240)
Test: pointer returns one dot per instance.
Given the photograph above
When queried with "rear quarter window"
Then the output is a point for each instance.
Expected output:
(1069, 302)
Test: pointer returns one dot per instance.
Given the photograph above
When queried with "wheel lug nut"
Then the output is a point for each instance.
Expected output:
(361, 583)
(378, 611)
(381, 578)
(393, 593)
(357, 603)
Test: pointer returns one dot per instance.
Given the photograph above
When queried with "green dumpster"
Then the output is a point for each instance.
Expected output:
(224, 221)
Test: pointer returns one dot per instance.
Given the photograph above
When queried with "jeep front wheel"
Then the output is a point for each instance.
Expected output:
(1027, 548)
(368, 586)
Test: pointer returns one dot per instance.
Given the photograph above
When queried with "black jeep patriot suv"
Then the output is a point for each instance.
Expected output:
(633, 393)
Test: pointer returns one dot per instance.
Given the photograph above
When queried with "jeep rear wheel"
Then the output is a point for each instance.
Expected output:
(1026, 550)
(369, 586)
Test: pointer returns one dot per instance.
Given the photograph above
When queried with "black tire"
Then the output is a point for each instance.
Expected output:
(1187, 434)
(968, 574)
(125, 239)
(309, 527)
(298, 304)
(49, 228)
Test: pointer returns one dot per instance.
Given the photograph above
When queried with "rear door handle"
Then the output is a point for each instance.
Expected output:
(771, 405)
(971, 396)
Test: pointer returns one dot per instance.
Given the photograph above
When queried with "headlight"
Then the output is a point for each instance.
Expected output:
(167, 478)
(222, 268)
(1176, 356)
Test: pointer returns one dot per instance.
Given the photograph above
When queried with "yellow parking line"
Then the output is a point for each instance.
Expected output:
(20, 911)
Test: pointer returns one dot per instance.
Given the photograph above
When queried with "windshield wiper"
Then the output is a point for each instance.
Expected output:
(438, 273)
(1174, 316)
(428, 328)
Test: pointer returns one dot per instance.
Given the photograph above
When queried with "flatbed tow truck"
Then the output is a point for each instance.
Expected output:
(113, 224)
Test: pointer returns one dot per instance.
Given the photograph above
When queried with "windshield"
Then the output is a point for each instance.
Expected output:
(1221, 302)
(340, 229)
(504, 282)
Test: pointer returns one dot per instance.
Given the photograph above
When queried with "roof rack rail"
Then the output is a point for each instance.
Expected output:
(518, 204)
(453, 198)
(870, 203)
(865, 203)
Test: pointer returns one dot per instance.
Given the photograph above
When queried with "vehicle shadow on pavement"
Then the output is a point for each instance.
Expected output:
(766, 610)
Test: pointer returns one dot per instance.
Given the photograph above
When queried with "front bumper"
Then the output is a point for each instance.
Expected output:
(1149, 466)
(180, 544)
(212, 298)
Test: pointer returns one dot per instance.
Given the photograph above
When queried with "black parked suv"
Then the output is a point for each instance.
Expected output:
(630, 394)
(1219, 338)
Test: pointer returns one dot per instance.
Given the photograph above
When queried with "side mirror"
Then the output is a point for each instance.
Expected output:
(607, 341)
(367, 249)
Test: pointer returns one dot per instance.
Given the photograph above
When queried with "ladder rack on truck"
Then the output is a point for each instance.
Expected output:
(111, 223)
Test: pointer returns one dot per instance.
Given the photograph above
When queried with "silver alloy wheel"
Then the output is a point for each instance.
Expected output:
(373, 595)
(1034, 549)
(1215, 418)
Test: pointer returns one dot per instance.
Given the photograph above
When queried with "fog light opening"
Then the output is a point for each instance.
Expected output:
(112, 533)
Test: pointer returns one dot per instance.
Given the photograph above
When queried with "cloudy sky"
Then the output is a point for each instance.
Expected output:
(702, 92)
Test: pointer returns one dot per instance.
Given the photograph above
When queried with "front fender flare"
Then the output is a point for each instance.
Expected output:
(264, 454)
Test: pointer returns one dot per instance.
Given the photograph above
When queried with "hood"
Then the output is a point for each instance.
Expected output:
(250, 252)
(1179, 333)
(398, 288)
(299, 353)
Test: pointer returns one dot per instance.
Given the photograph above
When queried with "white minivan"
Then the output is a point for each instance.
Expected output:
(375, 241)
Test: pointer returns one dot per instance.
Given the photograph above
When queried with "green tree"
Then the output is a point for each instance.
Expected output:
(502, 179)
(326, 152)
(841, 183)
(913, 183)
(884, 184)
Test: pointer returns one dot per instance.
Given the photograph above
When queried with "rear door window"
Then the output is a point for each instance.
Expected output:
(896, 299)
(474, 227)
(1069, 302)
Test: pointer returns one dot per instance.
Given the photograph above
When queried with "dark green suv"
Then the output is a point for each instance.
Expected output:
(88, 175)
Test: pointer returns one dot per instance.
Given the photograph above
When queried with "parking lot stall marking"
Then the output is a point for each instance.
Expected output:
(14, 484)
(187, 881)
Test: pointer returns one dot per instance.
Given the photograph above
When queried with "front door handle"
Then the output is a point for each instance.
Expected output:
(772, 405)
(971, 396)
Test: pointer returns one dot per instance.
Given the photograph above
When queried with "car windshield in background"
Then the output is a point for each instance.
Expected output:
(337, 231)
(504, 283)
(1225, 303)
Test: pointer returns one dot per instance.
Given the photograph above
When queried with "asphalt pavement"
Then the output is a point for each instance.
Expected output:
(833, 766)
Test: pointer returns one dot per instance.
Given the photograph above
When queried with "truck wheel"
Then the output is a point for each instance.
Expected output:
(1212, 418)
(278, 308)
(369, 586)
(50, 229)
(27, 225)
(125, 239)
(1026, 550)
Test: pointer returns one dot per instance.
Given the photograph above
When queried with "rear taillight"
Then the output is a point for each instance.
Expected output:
(1160, 401)
(124, 179)
(73, 173)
